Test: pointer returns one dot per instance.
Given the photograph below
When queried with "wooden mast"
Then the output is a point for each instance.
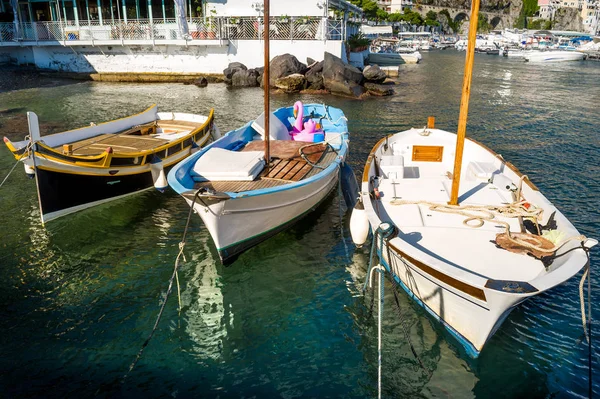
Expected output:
(266, 80)
(464, 102)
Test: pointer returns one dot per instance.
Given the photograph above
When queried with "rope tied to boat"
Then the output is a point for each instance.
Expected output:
(586, 322)
(174, 276)
(383, 233)
(28, 150)
(477, 215)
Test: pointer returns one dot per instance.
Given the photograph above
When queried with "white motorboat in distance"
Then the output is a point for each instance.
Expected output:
(240, 200)
(554, 56)
(394, 58)
(468, 265)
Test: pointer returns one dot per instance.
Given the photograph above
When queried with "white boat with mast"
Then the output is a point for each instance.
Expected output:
(259, 179)
(468, 243)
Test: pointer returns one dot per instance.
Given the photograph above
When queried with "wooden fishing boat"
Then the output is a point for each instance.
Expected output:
(80, 168)
(240, 199)
(460, 229)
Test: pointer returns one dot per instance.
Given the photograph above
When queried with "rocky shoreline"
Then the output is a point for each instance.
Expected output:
(21, 77)
(331, 75)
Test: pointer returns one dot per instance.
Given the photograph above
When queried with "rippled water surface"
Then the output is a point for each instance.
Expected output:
(288, 318)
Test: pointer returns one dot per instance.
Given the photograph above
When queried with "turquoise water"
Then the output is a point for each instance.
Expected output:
(288, 318)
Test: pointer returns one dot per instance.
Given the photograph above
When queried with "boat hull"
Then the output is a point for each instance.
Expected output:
(61, 193)
(238, 224)
(554, 56)
(387, 59)
(447, 266)
(453, 307)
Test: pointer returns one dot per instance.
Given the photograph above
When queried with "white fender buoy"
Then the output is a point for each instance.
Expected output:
(158, 175)
(29, 171)
(359, 224)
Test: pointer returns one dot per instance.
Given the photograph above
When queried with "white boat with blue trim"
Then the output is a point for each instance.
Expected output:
(241, 199)
(553, 56)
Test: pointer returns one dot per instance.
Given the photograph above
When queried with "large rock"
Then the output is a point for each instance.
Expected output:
(378, 89)
(232, 69)
(335, 69)
(341, 78)
(292, 83)
(314, 76)
(347, 88)
(284, 65)
(245, 78)
(373, 73)
(201, 82)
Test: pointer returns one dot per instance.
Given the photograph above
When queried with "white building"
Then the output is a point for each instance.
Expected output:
(392, 6)
(167, 37)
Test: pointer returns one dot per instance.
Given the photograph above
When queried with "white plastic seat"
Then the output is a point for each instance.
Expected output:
(392, 166)
(218, 164)
(481, 170)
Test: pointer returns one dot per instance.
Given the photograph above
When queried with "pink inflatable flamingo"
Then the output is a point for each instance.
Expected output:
(299, 114)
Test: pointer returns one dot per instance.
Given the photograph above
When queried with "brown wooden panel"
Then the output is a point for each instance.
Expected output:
(427, 153)
(276, 168)
(290, 175)
(302, 172)
(459, 285)
(288, 149)
(283, 171)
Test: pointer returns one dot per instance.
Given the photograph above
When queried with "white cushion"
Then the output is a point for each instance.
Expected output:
(218, 164)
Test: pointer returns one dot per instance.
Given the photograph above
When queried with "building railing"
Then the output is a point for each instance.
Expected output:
(221, 28)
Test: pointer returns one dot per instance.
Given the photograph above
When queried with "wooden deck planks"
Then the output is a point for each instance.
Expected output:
(125, 143)
(281, 172)
(239, 186)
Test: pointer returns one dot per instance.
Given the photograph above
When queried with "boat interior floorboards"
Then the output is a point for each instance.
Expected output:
(290, 169)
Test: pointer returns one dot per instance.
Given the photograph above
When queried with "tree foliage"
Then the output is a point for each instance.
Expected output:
(452, 24)
(528, 10)
(483, 26)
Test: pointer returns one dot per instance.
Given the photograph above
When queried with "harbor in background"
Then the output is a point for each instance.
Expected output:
(81, 295)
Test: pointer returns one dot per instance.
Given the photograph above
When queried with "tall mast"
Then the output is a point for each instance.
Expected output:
(464, 102)
(266, 80)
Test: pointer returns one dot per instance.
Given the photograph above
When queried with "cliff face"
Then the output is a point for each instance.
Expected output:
(567, 19)
(498, 6)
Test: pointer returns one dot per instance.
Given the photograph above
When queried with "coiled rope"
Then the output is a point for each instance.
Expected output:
(329, 119)
(173, 277)
(477, 215)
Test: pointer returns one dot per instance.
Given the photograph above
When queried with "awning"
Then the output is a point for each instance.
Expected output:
(376, 30)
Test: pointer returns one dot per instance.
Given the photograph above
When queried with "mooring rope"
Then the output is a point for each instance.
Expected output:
(13, 168)
(586, 275)
(341, 215)
(27, 149)
(173, 277)
(381, 271)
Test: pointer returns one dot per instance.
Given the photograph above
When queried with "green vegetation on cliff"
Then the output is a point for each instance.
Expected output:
(528, 10)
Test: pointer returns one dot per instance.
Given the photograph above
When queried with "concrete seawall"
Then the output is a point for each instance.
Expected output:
(160, 63)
